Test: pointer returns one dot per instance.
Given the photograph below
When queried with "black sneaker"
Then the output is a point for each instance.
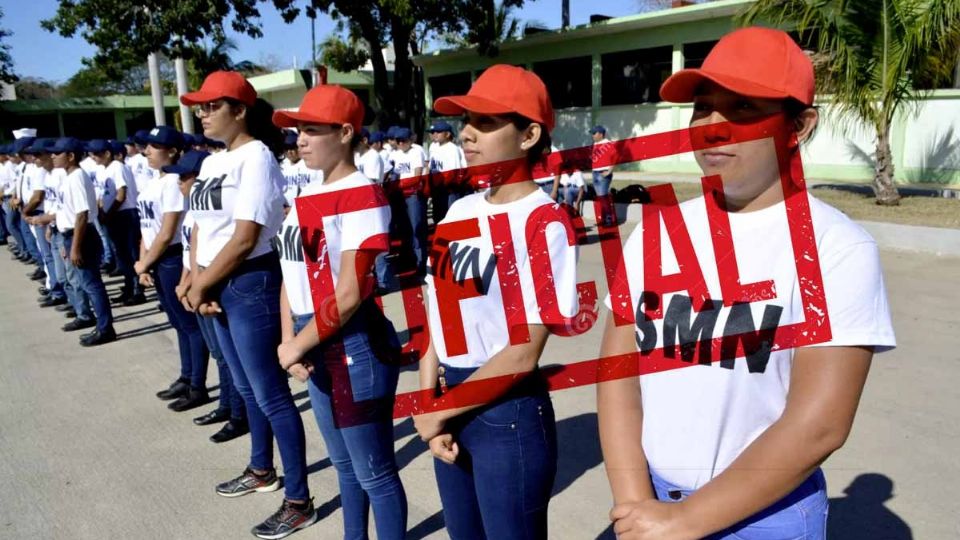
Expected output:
(37, 275)
(50, 302)
(43, 290)
(290, 518)
(69, 313)
(64, 307)
(79, 324)
(230, 431)
(135, 300)
(99, 338)
(176, 389)
(193, 399)
(248, 482)
(213, 417)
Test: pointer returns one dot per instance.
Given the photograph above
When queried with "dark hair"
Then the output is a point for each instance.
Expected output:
(541, 148)
(260, 124)
(794, 108)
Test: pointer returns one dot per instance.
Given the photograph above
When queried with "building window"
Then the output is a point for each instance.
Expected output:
(695, 53)
(455, 84)
(635, 76)
(568, 80)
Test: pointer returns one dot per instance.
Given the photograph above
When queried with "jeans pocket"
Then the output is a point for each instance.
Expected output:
(250, 285)
(501, 415)
(363, 379)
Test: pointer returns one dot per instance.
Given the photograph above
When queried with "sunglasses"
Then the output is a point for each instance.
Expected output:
(208, 108)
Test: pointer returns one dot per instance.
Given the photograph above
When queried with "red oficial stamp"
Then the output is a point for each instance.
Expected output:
(693, 336)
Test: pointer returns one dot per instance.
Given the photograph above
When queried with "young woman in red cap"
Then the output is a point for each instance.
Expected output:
(237, 206)
(732, 449)
(348, 360)
(496, 456)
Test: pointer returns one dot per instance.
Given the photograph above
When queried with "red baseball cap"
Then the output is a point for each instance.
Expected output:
(324, 104)
(503, 89)
(222, 84)
(754, 62)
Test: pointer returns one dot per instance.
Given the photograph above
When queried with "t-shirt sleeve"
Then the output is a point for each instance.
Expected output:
(416, 160)
(171, 200)
(856, 297)
(76, 194)
(259, 196)
(37, 180)
(563, 263)
(366, 229)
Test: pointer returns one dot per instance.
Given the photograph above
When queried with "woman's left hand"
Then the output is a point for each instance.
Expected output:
(648, 519)
(196, 297)
(140, 268)
(289, 354)
(429, 425)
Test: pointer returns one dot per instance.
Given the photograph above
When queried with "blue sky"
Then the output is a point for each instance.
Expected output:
(37, 53)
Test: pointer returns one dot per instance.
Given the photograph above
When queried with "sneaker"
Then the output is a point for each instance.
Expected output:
(213, 417)
(99, 338)
(191, 400)
(290, 518)
(230, 431)
(135, 300)
(37, 275)
(69, 313)
(176, 389)
(120, 298)
(51, 302)
(79, 324)
(248, 482)
(63, 308)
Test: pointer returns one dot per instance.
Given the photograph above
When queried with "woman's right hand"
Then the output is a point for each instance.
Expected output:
(444, 448)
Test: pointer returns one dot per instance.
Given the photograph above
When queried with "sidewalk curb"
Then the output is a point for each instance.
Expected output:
(913, 238)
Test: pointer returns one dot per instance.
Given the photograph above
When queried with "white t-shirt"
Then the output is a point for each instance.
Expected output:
(122, 177)
(76, 196)
(295, 177)
(572, 179)
(89, 166)
(343, 232)
(186, 231)
(445, 157)
(161, 196)
(6, 178)
(371, 165)
(244, 183)
(105, 188)
(484, 324)
(404, 163)
(698, 419)
(386, 157)
(32, 181)
(51, 190)
(142, 173)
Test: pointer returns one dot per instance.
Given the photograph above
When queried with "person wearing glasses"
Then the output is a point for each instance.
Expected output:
(237, 205)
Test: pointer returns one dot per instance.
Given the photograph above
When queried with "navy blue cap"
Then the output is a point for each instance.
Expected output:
(40, 146)
(289, 139)
(140, 137)
(392, 132)
(403, 134)
(440, 127)
(68, 144)
(189, 163)
(375, 137)
(364, 133)
(598, 129)
(188, 139)
(129, 140)
(165, 136)
(97, 145)
(22, 144)
(117, 148)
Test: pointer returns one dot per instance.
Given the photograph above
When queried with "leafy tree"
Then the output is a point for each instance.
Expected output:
(92, 81)
(875, 54)
(7, 74)
(35, 88)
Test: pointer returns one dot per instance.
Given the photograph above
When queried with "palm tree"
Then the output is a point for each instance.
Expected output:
(207, 59)
(872, 54)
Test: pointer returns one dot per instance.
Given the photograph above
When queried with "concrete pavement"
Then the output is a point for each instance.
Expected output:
(87, 451)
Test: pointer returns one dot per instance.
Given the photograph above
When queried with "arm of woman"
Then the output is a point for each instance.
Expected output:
(168, 229)
(825, 388)
(620, 419)
(232, 255)
(121, 196)
(354, 279)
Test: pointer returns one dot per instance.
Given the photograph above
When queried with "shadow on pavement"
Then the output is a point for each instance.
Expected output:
(426, 527)
(862, 514)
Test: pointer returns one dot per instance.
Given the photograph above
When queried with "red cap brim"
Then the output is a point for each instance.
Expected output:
(199, 97)
(682, 86)
(291, 119)
(453, 105)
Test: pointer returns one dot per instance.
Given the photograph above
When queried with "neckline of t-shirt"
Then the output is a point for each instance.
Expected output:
(522, 200)
(760, 217)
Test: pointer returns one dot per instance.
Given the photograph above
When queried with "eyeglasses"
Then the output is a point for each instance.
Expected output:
(208, 108)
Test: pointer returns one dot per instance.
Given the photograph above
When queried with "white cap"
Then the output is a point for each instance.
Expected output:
(24, 132)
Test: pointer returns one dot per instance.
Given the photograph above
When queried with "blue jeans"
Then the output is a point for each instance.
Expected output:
(417, 218)
(59, 266)
(361, 449)
(248, 332)
(124, 229)
(76, 296)
(601, 187)
(546, 188)
(193, 350)
(46, 251)
(4, 233)
(30, 242)
(801, 514)
(500, 486)
(107, 250)
(11, 217)
(88, 277)
(230, 399)
(568, 195)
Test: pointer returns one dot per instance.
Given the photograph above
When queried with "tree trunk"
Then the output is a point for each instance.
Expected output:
(883, 184)
(402, 71)
(381, 85)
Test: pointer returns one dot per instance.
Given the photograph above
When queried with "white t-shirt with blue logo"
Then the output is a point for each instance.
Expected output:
(162, 196)
(76, 196)
(241, 184)
(295, 177)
